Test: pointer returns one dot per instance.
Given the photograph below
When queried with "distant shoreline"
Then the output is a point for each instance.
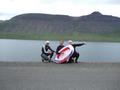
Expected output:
(53, 36)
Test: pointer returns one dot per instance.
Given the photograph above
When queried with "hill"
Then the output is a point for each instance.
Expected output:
(50, 25)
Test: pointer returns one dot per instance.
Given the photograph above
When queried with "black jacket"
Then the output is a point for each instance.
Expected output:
(45, 49)
(76, 45)
(58, 48)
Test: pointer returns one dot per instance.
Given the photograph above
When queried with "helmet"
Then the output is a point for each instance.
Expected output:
(47, 42)
(70, 41)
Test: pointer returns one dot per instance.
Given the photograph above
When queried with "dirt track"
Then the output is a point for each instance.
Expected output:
(49, 76)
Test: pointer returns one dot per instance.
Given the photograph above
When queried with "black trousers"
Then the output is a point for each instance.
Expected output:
(74, 57)
(47, 56)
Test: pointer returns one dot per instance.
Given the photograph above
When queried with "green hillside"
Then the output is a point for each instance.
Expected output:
(93, 27)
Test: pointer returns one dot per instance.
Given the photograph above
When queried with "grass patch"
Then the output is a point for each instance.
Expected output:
(54, 36)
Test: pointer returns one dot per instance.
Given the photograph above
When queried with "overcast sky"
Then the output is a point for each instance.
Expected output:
(11, 8)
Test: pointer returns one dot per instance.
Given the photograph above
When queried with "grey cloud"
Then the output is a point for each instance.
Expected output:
(112, 1)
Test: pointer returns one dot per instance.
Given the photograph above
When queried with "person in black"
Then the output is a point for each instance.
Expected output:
(47, 52)
(61, 45)
(75, 55)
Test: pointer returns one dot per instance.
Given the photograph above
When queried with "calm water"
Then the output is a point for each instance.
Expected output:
(30, 50)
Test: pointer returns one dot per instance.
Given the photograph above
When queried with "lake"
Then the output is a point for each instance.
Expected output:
(30, 50)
